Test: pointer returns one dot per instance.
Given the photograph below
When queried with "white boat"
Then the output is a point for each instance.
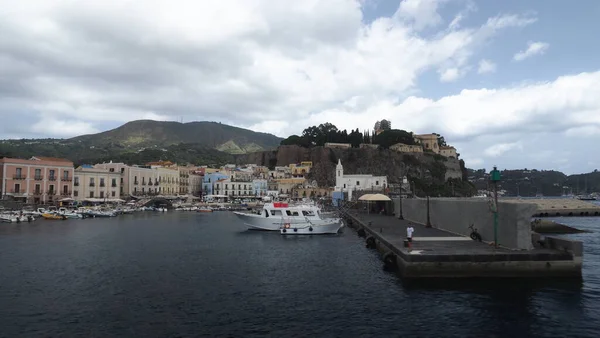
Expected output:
(68, 214)
(273, 215)
(331, 226)
(15, 218)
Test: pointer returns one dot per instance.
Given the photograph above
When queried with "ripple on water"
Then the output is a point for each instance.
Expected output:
(189, 275)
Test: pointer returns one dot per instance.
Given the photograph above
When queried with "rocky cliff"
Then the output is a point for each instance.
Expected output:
(427, 167)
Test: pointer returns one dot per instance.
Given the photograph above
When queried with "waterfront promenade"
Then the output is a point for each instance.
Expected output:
(437, 253)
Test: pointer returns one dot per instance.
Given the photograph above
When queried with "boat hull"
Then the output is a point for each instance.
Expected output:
(311, 229)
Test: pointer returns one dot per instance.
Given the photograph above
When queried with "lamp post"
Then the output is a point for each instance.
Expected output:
(495, 178)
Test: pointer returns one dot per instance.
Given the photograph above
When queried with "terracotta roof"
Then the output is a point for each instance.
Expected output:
(54, 159)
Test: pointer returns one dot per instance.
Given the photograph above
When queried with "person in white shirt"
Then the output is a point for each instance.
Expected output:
(409, 232)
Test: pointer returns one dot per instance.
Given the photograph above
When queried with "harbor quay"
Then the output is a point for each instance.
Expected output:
(441, 246)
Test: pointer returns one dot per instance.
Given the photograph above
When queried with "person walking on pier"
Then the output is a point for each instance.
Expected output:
(409, 232)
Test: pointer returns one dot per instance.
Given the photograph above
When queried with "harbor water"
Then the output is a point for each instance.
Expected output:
(189, 274)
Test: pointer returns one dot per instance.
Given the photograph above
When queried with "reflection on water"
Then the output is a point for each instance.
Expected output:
(191, 274)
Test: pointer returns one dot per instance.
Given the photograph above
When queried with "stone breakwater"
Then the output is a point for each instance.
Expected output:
(559, 207)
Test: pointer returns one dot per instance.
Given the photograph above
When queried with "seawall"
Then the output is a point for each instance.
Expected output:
(456, 214)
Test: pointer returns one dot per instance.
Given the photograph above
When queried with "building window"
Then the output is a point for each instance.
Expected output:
(91, 194)
(52, 175)
(114, 182)
(38, 189)
(65, 190)
(344, 185)
(51, 190)
(76, 181)
(75, 193)
(92, 182)
(65, 175)
(19, 173)
(376, 182)
(357, 183)
(102, 194)
(38, 174)
(102, 182)
(17, 188)
(113, 194)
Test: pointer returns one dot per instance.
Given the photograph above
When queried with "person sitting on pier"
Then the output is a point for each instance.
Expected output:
(409, 232)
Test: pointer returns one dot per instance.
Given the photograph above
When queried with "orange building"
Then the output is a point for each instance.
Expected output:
(37, 180)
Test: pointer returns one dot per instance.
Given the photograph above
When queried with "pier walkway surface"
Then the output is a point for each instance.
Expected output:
(438, 253)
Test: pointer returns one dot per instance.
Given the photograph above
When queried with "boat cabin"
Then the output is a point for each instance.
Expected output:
(284, 210)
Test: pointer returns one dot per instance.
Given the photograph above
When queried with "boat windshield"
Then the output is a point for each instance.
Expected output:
(291, 212)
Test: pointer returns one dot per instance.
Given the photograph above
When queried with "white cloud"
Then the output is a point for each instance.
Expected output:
(533, 48)
(584, 131)
(420, 13)
(486, 66)
(499, 149)
(275, 66)
(450, 75)
(63, 128)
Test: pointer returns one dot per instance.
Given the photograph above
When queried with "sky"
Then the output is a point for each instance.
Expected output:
(510, 83)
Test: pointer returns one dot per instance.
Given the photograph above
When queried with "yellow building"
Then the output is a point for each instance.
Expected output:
(287, 185)
(429, 142)
(448, 152)
(300, 169)
(407, 148)
(313, 192)
(93, 183)
(338, 145)
(169, 181)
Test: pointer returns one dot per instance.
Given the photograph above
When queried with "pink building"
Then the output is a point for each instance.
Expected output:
(37, 180)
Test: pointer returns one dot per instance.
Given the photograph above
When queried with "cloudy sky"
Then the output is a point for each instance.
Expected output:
(513, 83)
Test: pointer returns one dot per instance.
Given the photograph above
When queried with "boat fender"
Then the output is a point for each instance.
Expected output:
(310, 229)
(361, 232)
(284, 230)
(371, 243)
(295, 229)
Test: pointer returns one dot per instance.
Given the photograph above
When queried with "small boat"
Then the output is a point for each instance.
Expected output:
(204, 210)
(586, 198)
(54, 216)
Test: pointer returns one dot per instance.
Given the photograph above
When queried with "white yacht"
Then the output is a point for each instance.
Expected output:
(275, 215)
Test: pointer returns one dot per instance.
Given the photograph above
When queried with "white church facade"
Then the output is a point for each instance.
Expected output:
(350, 183)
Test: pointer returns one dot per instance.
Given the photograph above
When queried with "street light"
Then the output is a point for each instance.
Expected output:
(495, 178)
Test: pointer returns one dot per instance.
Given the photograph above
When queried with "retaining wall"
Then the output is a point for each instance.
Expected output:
(455, 215)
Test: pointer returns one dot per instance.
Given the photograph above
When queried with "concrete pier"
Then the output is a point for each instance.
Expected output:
(435, 253)
(559, 207)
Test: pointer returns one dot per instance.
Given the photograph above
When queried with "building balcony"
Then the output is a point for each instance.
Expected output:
(136, 182)
(114, 185)
(76, 184)
(19, 177)
(37, 193)
(17, 192)
(92, 184)
(52, 178)
(67, 179)
(102, 185)
(65, 193)
(51, 192)
(38, 178)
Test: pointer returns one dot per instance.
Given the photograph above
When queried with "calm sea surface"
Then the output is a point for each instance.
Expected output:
(186, 274)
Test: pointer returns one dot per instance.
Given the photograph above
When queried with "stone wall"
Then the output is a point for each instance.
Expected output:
(455, 215)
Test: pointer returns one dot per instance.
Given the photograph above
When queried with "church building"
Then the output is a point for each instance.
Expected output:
(350, 183)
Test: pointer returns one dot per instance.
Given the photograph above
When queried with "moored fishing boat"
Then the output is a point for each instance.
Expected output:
(273, 215)
(54, 217)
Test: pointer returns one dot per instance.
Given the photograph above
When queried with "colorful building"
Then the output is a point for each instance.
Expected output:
(38, 180)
